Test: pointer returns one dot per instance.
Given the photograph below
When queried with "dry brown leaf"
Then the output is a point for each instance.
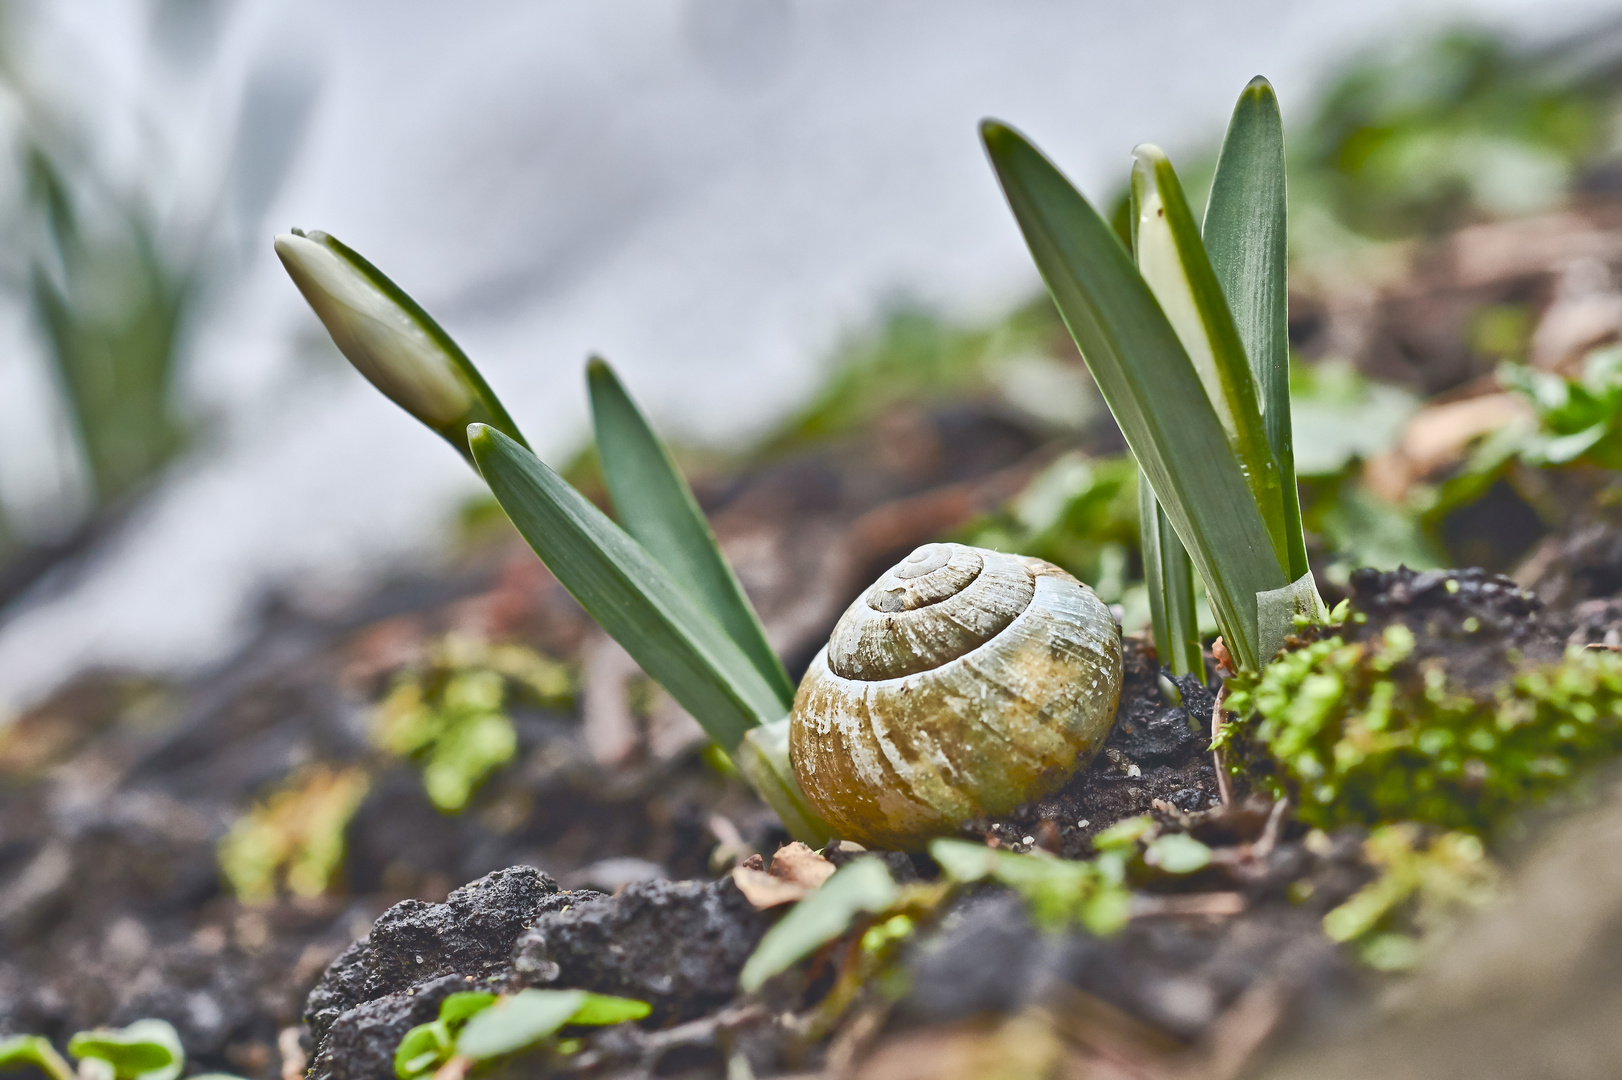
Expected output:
(1438, 436)
(799, 864)
(796, 870)
(763, 890)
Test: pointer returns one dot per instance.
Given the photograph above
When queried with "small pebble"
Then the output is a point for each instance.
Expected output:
(1083, 823)
(1029, 840)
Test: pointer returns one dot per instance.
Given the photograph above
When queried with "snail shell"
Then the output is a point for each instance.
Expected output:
(963, 683)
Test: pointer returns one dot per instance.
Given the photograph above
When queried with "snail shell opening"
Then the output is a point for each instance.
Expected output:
(962, 683)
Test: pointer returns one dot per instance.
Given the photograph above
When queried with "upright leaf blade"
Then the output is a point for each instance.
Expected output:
(657, 508)
(1246, 236)
(1170, 580)
(1172, 259)
(630, 595)
(1148, 382)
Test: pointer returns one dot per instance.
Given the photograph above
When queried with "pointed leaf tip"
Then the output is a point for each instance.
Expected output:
(997, 135)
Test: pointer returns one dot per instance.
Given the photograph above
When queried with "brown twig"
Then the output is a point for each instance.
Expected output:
(1218, 718)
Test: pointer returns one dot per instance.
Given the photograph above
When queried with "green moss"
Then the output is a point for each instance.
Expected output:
(1362, 734)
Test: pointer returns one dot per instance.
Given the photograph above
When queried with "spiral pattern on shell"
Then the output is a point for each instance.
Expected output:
(962, 683)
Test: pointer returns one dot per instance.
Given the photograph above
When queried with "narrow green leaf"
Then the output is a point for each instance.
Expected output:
(391, 340)
(1246, 235)
(657, 508)
(145, 1050)
(1170, 580)
(600, 1010)
(34, 1050)
(516, 1022)
(1148, 382)
(857, 887)
(630, 595)
(1172, 260)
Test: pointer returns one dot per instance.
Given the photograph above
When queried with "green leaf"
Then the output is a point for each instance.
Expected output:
(600, 1010)
(763, 759)
(462, 1006)
(1172, 259)
(33, 1050)
(657, 508)
(423, 1049)
(964, 861)
(505, 1025)
(428, 1046)
(1149, 384)
(858, 887)
(630, 595)
(146, 1050)
(1246, 236)
(391, 340)
(516, 1022)
(1124, 833)
(1177, 853)
(1170, 580)
(1058, 891)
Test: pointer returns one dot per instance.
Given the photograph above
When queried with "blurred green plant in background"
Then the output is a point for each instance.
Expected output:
(111, 305)
(111, 257)
(1425, 880)
(1079, 513)
(1426, 136)
(293, 838)
(451, 716)
(916, 357)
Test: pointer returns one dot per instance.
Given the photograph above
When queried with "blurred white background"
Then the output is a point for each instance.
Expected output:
(709, 192)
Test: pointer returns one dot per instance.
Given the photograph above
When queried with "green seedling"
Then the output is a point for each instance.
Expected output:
(1059, 892)
(656, 582)
(21, 1051)
(477, 1027)
(860, 887)
(459, 732)
(146, 1050)
(1187, 339)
